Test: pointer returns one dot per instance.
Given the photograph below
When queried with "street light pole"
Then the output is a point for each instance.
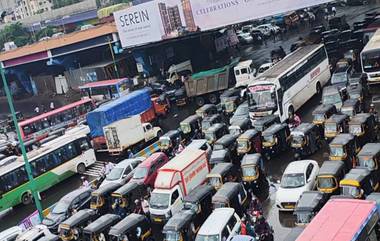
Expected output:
(113, 58)
(32, 184)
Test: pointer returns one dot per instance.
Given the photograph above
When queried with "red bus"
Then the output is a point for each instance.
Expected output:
(344, 220)
(39, 126)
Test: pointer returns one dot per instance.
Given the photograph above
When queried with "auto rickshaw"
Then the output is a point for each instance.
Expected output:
(337, 123)
(227, 142)
(329, 176)
(355, 91)
(169, 141)
(206, 110)
(208, 121)
(275, 139)
(199, 201)
(221, 173)
(134, 227)
(219, 156)
(98, 229)
(124, 197)
(180, 227)
(253, 175)
(351, 107)
(238, 126)
(369, 157)
(358, 183)
(71, 229)
(308, 205)
(321, 114)
(305, 139)
(101, 200)
(191, 126)
(364, 127)
(229, 100)
(344, 148)
(215, 132)
(233, 195)
(264, 122)
(249, 142)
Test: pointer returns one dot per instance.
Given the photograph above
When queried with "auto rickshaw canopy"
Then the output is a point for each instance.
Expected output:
(101, 223)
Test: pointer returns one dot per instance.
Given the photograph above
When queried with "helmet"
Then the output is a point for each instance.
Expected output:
(372, 105)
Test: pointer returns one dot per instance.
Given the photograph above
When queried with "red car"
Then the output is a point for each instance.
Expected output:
(146, 172)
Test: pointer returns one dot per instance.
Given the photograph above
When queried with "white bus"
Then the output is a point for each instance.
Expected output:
(52, 163)
(284, 88)
(370, 59)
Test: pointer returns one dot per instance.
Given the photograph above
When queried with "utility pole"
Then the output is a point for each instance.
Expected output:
(32, 184)
(113, 58)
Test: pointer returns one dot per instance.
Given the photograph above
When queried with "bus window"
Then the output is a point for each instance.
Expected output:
(83, 145)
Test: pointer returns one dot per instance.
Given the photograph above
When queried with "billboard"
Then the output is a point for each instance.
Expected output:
(164, 19)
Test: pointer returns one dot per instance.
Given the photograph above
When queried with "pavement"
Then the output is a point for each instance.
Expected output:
(281, 222)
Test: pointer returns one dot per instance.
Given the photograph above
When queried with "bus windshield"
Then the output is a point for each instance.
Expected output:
(262, 97)
(371, 61)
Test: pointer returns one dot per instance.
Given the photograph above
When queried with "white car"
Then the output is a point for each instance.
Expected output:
(34, 233)
(263, 68)
(299, 176)
(10, 233)
(123, 171)
(267, 29)
(245, 38)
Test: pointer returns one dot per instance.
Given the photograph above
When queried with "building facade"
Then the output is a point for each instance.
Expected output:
(27, 8)
(164, 18)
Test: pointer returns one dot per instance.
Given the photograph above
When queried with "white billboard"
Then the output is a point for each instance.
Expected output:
(210, 14)
(139, 24)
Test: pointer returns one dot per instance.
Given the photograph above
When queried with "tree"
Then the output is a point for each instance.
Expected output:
(15, 32)
(63, 3)
(45, 32)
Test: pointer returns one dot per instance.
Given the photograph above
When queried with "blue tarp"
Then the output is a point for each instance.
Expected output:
(126, 106)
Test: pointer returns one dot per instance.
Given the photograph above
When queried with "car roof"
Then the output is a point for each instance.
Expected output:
(298, 166)
(216, 221)
(71, 195)
(128, 162)
(10, 231)
(151, 159)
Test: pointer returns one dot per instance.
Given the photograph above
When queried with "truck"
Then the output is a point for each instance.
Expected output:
(176, 179)
(175, 71)
(130, 133)
(244, 73)
(208, 85)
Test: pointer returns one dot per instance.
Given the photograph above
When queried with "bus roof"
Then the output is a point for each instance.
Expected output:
(53, 112)
(373, 43)
(46, 147)
(288, 62)
(102, 83)
(338, 220)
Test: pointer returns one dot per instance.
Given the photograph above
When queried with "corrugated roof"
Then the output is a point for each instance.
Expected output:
(59, 42)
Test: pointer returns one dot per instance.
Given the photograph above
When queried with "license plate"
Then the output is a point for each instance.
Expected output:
(289, 207)
(157, 219)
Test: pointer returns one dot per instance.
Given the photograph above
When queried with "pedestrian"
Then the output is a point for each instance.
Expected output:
(109, 167)
(243, 226)
(138, 208)
(145, 206)
(129, 154)
(333, 10)
(37, 110)
(85, 183)
(52, 105)
(273, 33)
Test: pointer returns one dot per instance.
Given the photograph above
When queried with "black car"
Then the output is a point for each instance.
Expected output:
(65, 207)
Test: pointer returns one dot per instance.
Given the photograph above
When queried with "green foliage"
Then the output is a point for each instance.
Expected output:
(15, 32)
(106, 3)
(48, 31)
(63, 3)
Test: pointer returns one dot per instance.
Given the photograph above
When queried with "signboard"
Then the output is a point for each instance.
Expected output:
(157, 20)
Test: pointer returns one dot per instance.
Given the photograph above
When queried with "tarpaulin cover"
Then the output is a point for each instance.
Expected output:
(132, 104)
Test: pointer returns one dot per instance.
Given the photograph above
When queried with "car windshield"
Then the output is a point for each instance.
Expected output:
(347, 110)
(172, 236)
(331, 99)
(159, 200)
(214, 181)
(214, 237)
(330, 127)
(165, 142)
(297, 139)
(304, 217)
(249, 171)
(268, 138)
(230, 106)
(326, 182)
(350, 191)
(185, 127)
(355, 129)
(371, 61)
(319, 117)
(115, 174)
(61, 207)
(293, 180)
(242, 145)
(338, 78)
(337, 151)
(140, 173)
(367, 162)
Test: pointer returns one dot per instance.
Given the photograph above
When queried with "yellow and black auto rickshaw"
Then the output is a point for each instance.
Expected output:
(134, 227)
(71, 229)
(221, 173)
(337, 123)
(351, 107)
(305, 139)
(276, 139)
(233, 195)
(208, 121)
(169, 141)
(253, 175)
(101, 200)
(98, 229)
(369, 157)
(358, 183)
(329, 176)
(215, 132)
(364, 127)
(180, 227)
(308, 205)
(191, 126)
(344, 148)
(321, 114)
(262, 123)
(229, 100)
(206, 110)
(249, 142)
